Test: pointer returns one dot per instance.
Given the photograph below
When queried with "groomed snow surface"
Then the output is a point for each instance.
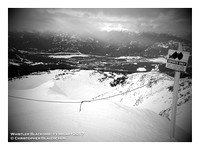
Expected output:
(114, 119)
(141, 69)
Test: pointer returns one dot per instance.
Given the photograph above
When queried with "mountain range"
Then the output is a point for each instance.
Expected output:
(30, 52)
(112, 43)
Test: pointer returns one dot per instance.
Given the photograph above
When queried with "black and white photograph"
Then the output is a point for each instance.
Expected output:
(99, 74)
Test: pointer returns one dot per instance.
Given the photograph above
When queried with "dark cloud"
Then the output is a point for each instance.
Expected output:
(164, 20)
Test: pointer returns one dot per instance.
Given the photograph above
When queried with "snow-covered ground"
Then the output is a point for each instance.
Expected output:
(158, 60)
(132, 116)
(141, 69)
(161, 60)
(68, 56)
(24, 61)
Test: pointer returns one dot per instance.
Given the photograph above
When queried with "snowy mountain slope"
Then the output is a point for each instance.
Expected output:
(33, 80)
(156, 96)
(100, 121)
(137, 121)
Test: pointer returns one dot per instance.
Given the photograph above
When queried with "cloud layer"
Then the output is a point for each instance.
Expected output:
(166, 20)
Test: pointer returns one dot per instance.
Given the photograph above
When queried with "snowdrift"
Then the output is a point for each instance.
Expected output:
(140, 115)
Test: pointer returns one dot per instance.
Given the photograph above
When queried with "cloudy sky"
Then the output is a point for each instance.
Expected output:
(166, 20)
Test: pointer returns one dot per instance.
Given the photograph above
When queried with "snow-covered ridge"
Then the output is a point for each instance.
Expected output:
(68, 56)
(152, 101)
(50, 53)
(142, 59)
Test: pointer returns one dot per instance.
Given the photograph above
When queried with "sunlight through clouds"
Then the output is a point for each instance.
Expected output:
(113, 27)
(84, 20)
